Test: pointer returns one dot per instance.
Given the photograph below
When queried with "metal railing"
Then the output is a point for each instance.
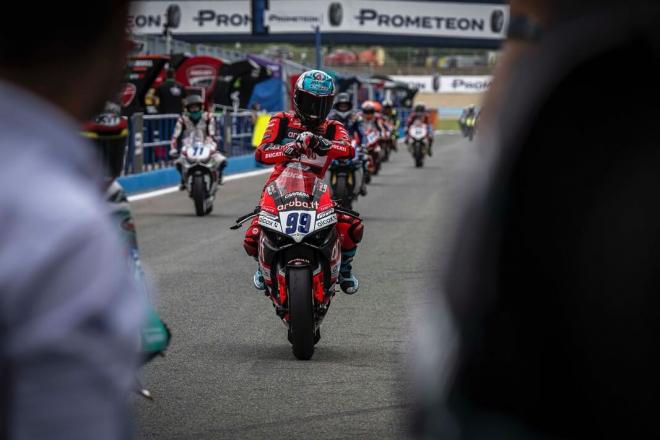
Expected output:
(151, 135)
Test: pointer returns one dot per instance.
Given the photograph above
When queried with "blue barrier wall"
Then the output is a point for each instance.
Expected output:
(165, 177)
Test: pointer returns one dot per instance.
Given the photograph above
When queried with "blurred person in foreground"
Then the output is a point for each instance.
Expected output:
(109, 132)
(552, 276)
(69, 308)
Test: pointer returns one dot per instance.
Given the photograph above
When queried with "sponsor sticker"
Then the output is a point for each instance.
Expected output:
(269, 223)
(298, 204)
(332, 219)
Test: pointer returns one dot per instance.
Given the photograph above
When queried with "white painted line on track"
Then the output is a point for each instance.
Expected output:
(172, 189)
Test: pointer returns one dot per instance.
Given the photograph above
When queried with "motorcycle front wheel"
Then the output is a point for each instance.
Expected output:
(198, 195)
(301, 314)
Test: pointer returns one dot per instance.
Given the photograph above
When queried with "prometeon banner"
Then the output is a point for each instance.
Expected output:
(447, 84)
(409, 18)
(197, 17)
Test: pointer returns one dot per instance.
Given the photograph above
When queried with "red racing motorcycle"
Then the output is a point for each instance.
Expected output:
(374, 149)
(299, 252)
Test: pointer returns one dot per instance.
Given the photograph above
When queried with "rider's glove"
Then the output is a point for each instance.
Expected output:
(318, 144)
(307, 140)
(294, 150)
(174, 153)
(322, 146)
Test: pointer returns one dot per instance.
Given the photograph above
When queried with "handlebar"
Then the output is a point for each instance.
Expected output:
(244, 218)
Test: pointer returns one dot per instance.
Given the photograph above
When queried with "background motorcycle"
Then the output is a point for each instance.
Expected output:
(418, 135)
(373, 148)
(299, 252)
(346, 178)
(388, 142)
(200, 173)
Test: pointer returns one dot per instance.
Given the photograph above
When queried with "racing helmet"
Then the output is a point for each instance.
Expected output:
(313, 96)
(343, 105)
(194, 105)
(378, 106)
(420, 108)
(368, 110)
(109, 132)
(388, 106)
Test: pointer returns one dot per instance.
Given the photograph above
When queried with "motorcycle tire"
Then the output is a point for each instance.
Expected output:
(198, 195)
(342, 194)
(386, 154)
(301, 314)
(418, 156)
(367, 178)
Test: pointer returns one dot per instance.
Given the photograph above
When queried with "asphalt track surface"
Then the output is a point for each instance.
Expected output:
(230, 373)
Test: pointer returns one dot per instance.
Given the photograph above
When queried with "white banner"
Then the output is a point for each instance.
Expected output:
(422, 83)
(410, 18)
(447, 84)
(197, 17)
(465, 84)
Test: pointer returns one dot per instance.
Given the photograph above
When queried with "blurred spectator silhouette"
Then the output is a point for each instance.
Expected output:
(170, 95)
(552, 282)
(69, 309)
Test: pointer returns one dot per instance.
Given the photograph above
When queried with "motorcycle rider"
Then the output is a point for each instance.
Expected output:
(343, 112)
(109, 131)
(195, 121)
(420, 113)
(470, 113)
(370, 115)
(306, 133)
(392, 117)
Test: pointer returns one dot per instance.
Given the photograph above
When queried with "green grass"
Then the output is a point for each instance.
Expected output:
(447, 124)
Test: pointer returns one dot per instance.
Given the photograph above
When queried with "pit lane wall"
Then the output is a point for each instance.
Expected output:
(166, 177)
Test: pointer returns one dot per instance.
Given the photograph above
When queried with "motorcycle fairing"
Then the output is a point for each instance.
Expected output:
(287, 240)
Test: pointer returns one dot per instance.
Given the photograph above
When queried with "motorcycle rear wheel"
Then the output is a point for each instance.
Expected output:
(301, 314)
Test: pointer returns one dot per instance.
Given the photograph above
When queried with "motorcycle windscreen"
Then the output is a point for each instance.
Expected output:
(296, 180)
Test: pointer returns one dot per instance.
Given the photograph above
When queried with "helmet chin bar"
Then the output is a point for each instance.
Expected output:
(311, 122)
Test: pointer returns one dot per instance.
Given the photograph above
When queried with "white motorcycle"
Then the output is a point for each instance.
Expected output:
(418, 134)
(199, 167)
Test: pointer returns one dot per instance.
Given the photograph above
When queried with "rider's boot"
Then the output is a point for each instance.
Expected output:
(258, 280)
(182, 184)
(347, 281)
(221, 168)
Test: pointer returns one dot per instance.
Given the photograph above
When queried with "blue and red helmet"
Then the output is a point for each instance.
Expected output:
(313, 96)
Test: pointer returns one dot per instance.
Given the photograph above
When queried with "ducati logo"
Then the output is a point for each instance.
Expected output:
(128, 94)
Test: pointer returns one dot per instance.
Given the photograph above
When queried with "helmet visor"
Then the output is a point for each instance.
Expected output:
(313, 106)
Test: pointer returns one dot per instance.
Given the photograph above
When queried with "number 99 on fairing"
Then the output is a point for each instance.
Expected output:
(299, 222)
